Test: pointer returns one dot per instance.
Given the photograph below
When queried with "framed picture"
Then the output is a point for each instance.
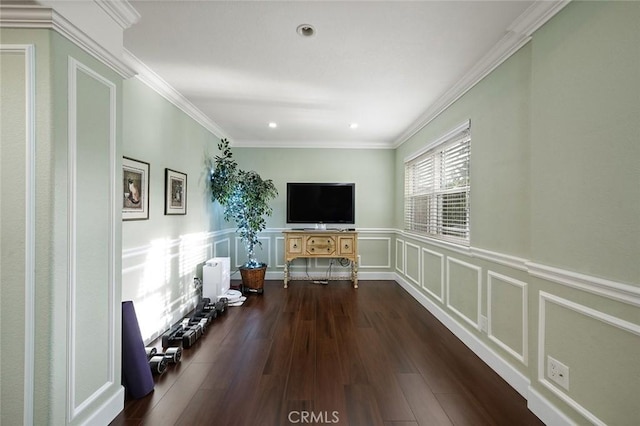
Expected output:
(135, 189)
(175, 192)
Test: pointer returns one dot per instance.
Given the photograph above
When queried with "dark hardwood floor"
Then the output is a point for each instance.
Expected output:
(329, 354)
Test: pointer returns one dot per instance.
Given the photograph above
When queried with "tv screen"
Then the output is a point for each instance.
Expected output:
(321, 202)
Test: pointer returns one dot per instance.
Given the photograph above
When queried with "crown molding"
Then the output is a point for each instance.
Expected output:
(518, 34)
(164, 89)
(38, 17)
(120, 11)
(537, 15)
(244, 143)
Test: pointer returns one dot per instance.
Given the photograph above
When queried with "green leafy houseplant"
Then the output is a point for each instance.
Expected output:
(244, 196)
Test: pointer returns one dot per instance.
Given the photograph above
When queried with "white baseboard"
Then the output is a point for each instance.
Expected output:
(107, 411)
(546, 411)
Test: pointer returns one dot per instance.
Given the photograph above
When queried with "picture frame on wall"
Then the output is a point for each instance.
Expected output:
(175, 192)
(135, 189)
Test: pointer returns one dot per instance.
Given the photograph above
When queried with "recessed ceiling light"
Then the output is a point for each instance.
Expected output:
(353, 125)
(305, 30)
(273, 125)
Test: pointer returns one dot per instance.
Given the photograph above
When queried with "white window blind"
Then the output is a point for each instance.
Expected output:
(436, 188)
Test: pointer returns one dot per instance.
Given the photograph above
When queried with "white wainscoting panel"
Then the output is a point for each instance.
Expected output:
(216, 251)
(400, 255)
(475, 322)
(426, 253)
(279, 261)
(385, 240)
(520, 353)
(413, 251)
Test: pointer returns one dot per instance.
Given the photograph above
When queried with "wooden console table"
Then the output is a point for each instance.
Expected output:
(321, 244)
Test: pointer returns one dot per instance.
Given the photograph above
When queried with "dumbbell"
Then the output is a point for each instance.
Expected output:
(196, 326)
(194, 321)
(172, 337)
(218, 307)
(173, 355)
(189, 337)
(155, 363)
(206, 317)
(203, 311)
(158, 364)
(180, 335)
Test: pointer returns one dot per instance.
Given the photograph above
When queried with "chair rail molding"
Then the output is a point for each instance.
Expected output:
(602, 287)
(611, 289)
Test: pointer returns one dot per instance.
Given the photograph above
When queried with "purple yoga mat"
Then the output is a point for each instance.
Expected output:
(136, 373)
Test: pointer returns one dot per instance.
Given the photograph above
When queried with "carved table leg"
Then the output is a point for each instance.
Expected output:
(286, 274)
(354, 273)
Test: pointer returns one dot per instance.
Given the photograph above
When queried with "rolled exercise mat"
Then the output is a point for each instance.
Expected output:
(136, 373)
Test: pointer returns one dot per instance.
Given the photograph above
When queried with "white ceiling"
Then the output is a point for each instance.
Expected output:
(381, 64)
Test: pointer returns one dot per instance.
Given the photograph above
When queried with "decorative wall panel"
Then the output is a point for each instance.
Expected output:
(433, 274)
(92, 210)
(507, 314)
(464, 290)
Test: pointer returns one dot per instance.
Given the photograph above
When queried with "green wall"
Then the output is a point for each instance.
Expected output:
(163, 254)
(584, 152)
(498, 107)
(552, 265)
(157, 132)
(368, 169)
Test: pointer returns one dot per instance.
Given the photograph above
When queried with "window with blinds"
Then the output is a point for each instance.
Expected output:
(436, 188)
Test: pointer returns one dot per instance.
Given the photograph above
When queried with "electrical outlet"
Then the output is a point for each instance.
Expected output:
(558, 372)
(483, 323)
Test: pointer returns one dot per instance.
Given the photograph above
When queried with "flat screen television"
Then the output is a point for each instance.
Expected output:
(321, 203)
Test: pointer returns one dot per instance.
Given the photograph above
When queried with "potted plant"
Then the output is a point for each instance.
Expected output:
(245, 197)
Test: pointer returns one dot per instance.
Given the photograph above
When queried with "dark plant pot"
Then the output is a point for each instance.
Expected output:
(253, 279)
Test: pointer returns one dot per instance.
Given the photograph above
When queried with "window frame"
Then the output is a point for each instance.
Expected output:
(428, 176)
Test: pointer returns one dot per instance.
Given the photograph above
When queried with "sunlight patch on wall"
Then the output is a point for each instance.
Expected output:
(193, 252)
(156, 269)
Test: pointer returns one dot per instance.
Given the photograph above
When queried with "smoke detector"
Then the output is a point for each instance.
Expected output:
(305, 30)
